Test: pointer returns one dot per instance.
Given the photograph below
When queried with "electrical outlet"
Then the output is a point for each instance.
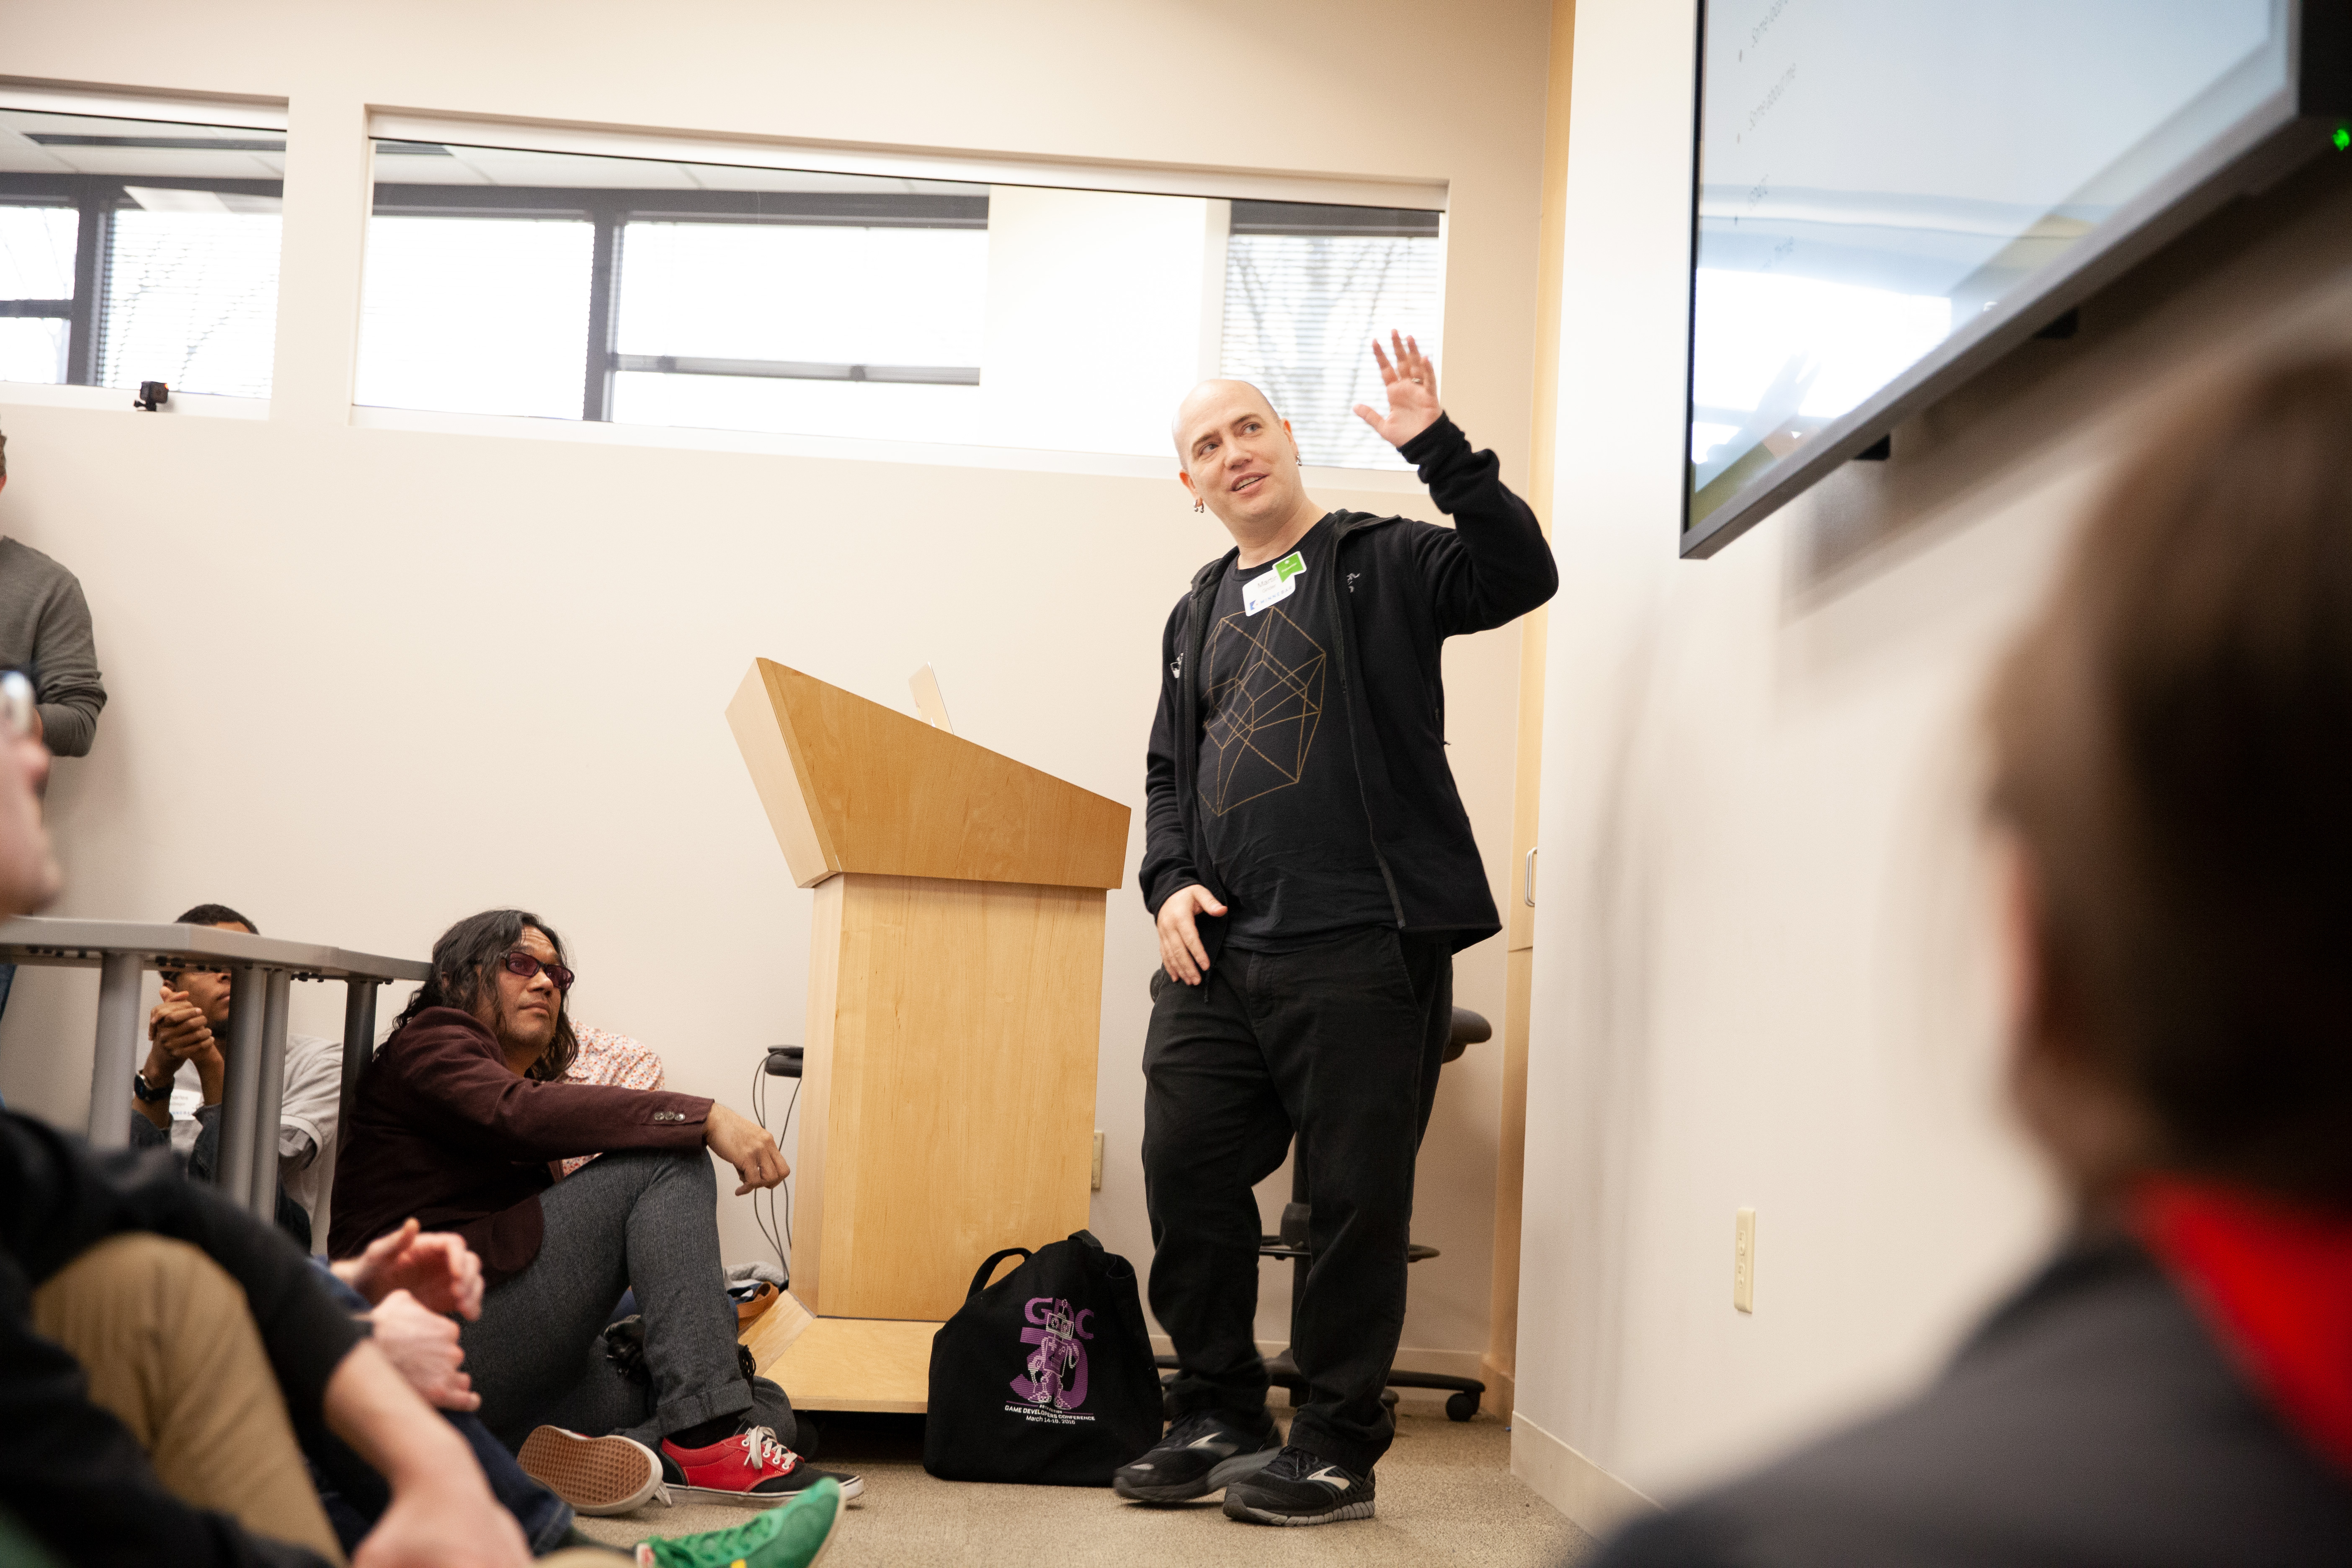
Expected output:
(1743, 1260)
(1098, 1146)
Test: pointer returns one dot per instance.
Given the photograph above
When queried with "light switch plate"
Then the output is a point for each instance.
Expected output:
(1098, 1147)
(1743, 1260)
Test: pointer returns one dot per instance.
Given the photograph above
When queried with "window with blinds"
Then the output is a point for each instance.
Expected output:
(137, 250)
(1308, 288)
(626, 287)
(36, 269)
(191, 298)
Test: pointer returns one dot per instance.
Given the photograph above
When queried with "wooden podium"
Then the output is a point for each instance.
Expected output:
(954, 1015)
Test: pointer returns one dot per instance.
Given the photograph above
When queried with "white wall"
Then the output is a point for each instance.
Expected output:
(365, 679)
(1081, 281)
(1764, 973)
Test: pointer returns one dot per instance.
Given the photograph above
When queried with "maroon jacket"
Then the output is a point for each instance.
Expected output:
(442, 1131)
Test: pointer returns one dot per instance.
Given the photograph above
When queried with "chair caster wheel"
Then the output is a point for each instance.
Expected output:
(1461, 1406)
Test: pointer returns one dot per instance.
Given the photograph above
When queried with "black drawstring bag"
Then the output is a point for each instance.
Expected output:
(1045, 1377)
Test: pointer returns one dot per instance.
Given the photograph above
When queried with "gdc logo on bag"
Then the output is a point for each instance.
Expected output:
(1055, 1381)
(1064, 1335)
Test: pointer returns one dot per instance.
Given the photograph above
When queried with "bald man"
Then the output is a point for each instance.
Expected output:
(1313, 874)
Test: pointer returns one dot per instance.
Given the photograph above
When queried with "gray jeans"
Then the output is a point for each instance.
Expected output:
(639, 1219)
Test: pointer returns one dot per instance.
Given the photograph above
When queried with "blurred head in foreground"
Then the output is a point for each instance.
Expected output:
(2172, 739)
(2174, 758)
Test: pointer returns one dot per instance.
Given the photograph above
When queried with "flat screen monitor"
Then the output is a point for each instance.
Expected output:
(1890, 193)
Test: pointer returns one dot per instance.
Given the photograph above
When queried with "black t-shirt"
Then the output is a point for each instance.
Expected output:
(1280, 805)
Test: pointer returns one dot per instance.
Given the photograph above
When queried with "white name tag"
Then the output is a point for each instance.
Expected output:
(1272, 586)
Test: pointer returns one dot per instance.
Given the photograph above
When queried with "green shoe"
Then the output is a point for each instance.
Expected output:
(793, 1536)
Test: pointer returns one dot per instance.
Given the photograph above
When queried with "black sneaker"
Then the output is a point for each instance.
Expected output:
(1200, 1455)
(1300, 1488)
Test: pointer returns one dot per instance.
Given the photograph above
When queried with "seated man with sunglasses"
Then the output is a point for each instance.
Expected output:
(456, 1121)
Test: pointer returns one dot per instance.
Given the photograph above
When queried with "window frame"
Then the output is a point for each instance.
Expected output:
(1326, 220)
(610, 209)
(96, 198)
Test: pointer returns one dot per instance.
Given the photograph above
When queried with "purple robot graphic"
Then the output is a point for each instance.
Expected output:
(1056, 1374)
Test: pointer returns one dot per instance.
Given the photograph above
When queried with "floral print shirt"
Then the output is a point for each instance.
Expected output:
(613, 1060)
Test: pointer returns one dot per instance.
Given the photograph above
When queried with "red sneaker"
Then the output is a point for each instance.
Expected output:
(751, 1467)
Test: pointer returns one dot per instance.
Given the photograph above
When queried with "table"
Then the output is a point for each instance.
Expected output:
(264, 968)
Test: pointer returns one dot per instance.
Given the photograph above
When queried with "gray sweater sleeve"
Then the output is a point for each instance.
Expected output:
(65, 671)
(44, 632)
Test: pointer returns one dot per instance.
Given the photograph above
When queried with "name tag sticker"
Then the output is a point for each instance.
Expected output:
(1273, 587)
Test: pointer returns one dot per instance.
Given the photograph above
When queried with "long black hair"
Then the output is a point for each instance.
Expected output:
(464, 964)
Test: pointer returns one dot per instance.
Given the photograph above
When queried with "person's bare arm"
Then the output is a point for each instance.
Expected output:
(442, 1514)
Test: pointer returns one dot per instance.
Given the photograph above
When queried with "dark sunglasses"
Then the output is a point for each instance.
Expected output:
(518, 961)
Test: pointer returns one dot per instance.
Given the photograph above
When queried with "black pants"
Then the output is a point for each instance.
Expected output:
(1340, 1043)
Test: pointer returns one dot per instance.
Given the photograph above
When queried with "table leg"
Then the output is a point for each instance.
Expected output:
(358, 1045)
(240, 1097)
(269, 1093)
(117, 1055)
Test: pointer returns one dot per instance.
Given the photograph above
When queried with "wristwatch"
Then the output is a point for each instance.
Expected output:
(149, 1096)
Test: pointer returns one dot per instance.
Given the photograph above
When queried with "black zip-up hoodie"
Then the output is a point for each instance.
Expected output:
(1397, 590)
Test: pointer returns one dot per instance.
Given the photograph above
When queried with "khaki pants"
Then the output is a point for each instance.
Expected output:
(170, 1351)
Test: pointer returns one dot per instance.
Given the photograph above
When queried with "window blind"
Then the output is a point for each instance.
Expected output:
(1301, 313)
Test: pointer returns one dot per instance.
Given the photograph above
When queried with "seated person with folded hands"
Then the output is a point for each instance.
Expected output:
(187, 1039)
(457, 1121)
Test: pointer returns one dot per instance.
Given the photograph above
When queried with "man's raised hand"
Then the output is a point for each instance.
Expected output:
(1412, 385)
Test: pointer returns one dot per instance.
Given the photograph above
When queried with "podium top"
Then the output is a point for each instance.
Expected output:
(851, 786)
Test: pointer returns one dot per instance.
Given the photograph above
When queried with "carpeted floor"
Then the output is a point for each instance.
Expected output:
(1447, 1498)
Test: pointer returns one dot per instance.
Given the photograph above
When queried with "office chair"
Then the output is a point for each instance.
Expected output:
(1292, 1245)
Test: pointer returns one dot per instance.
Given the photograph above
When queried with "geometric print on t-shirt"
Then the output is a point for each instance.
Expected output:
(1265, 697)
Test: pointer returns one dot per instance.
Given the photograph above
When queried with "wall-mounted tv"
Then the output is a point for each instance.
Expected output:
(1889, 195)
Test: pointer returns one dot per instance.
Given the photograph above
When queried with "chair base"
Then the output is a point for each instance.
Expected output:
(1464, 1393)
(1290, 1245)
